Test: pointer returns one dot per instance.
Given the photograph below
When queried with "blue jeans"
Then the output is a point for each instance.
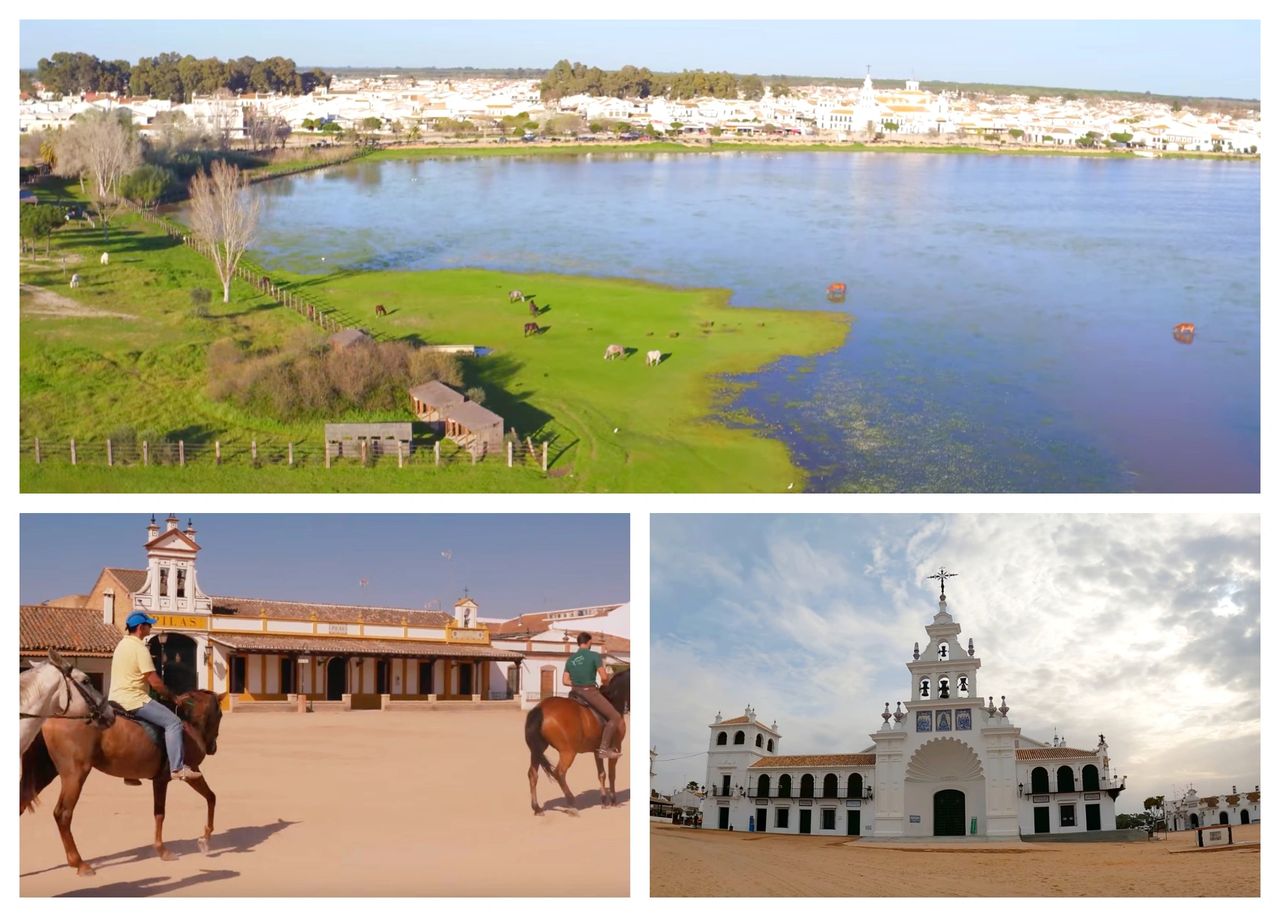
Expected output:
(158, 714)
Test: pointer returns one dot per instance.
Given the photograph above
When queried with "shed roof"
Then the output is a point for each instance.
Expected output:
(472, 416)
(436, 394)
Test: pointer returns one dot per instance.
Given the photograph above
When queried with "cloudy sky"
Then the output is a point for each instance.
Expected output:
(1145, 628)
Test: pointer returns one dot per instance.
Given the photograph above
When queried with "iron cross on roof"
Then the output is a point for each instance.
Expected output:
(942, 576)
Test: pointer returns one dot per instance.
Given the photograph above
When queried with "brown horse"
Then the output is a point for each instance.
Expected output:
(572, 729)
(379, 310)
(531, 328)
(70, 749)
(533, 309)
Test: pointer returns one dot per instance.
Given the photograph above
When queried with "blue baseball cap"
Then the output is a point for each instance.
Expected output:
(138, 617)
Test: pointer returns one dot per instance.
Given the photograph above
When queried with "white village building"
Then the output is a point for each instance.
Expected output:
(946, 765)
(1195, 811)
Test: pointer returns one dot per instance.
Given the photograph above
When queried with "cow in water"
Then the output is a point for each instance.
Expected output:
(613, 351)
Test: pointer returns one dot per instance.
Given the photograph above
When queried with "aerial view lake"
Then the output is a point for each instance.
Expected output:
(1013, 315)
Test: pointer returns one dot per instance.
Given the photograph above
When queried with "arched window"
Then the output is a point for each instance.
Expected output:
(944, 688)
(806, 786)
(1039, 780)
(759, 741)
(739, 738)
(830, 786)
(1066, 780)
(784, 786)
(855, 786)
(769, 745)
(962, 686)
(1089, 777)
(722, 739)
(763, 786)
(924, 688)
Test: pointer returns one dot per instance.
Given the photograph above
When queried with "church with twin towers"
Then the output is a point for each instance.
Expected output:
(943, 764)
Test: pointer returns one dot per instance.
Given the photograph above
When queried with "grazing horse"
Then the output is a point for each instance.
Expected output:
(531, 328)
(57, 690)
(70, 749)
(653, 358)
(75, 281)
(515, 296)
(573, 728)
(533, 308)
(379, 310)
(105, 259)
(613, 351)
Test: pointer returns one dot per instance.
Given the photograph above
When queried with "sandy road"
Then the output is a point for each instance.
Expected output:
(685, 861)
(360, 803)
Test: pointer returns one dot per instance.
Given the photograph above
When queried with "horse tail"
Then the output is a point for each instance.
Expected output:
(534, 739)
(38, 771)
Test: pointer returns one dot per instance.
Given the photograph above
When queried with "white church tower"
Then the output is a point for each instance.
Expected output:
(735, 744)
(171, 592)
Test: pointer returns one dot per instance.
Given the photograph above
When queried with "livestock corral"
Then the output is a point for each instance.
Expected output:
(355, 803)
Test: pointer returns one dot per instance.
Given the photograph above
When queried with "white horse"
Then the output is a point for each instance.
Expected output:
(55, 689)
(105, 259)
(653, 358)
(75, 281)
(515, 296)
(613, 351)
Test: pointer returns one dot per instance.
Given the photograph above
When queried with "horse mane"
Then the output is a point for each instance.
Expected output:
(618, 690)
(28, 685)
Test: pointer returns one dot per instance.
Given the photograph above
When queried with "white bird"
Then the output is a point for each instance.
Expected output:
(615, 429)
(322, 257)
(789, 486)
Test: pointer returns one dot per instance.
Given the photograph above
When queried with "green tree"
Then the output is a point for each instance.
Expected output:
(1016, 133)
(146, 185)
(891, 126)
(39, 221)
(1177, 105)
(372, 123)
(751, 87)
(779, 90)
(1124, 138)
(715, 130)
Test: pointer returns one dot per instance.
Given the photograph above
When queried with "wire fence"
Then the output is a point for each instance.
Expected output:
(514, 453)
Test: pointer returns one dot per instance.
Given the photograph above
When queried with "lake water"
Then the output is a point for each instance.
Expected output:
(1012, 315)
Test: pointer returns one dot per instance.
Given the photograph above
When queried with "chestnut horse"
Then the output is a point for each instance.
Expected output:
(573, 728)
(70, 749)
(531, 328)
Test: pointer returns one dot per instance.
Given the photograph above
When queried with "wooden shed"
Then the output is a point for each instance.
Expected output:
(476, 429)
(430, 399)
(344, 439)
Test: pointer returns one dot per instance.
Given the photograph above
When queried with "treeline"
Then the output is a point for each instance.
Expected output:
(174, 76)
(567, 79)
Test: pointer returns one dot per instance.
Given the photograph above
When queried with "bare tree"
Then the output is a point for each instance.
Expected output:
(224, 214)
(102, 146)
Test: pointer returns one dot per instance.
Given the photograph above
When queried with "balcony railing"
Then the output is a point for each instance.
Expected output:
(774, 794)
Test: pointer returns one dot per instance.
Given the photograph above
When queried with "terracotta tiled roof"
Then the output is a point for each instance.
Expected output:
(73, 631)
(133, 580)
(815, 761)
(358, 646)
(1042, 754)
(254, 608)
(736, 721)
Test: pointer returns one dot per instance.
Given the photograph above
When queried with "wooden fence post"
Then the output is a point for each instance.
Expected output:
(436, 449)
(364, 452)
(37, 450)
(290, 453)
(217, 452)
(509, 446)
(253, 450)
(109, 462)
(182, 452)
(472, 450)
(144, 453)
(326, 453)
(73, 452)
(399, 454)
(544, 456)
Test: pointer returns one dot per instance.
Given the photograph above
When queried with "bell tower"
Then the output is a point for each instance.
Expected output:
(735, 744)
(171, 587)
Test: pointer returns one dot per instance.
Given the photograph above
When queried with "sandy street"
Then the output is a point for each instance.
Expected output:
(686, 861)
(360, 803)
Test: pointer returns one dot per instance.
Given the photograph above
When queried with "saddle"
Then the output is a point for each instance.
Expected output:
(579, 699)
(154, 732)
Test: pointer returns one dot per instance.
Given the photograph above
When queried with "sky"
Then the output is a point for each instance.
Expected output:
(511, 563)
(1144, 628)
(1205, 58)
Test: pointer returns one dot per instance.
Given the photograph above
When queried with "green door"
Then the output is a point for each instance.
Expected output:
(806, 821)
(855, 821)
(1042, 819)
(948, 813)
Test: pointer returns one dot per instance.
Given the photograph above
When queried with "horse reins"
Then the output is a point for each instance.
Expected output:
(95, 716)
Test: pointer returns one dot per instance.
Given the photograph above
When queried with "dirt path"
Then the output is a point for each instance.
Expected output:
(365, 803)
(687, 861)
(46, 303)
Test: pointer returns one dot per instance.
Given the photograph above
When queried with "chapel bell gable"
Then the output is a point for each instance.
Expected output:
(465, 612)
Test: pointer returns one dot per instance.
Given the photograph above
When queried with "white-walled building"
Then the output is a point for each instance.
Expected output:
(943, 765)
(1195, 811)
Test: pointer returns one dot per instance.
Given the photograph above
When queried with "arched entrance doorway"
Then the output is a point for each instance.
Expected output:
(175, 660)
(1244, 816)
(1223, 819)
(335, 678)
(1195, 820)
(948, 813)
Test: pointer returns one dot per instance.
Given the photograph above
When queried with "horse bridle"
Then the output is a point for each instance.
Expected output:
(97, 709)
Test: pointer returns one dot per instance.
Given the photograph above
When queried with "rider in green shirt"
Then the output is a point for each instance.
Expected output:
(580, 671)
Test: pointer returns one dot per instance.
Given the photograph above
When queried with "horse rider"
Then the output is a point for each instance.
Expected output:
(132, 672)
(580, 671)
